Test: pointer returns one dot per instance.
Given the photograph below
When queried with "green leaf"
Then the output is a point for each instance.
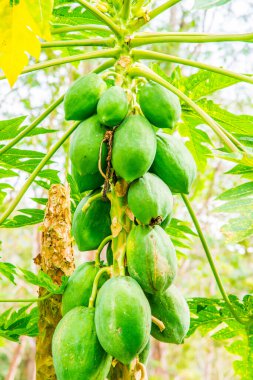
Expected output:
(28, 217)
(237, 205)
(8, 270)
(239, 229)
(10, 128)
(207, 4)
(66, 14)
(45, 281)
(237, 192)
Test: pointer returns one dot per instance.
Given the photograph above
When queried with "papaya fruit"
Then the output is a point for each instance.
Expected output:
(82, 97)
(77, 353)
(166, 221)
(159, 105)
(150, 199)
(79, 286)
(112, 106)
(174, 163)
(122, 318)
(151, 258)
(144, 354)
(85, 146)
(89, 228)
(134, 147)
(88, 181)
(172, 309)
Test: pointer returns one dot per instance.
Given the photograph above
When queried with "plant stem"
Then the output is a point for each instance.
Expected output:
(99, 250)
(192, 38)
(31, 300)
(104, 53)
(210, 259)
(77, 28)
(126, 10)
(101, 16)
(95, 284)
(147, 54)
(84, 42)
(36, 171)
(149, 74)
(157, 11)
(158, 323)
(90, 200)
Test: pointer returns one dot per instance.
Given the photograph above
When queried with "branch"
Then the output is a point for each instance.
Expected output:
(84, 42)
(36, 171)
(77, 28)
(147, 54)
(210, 260)
(149, 74)
(101, 16)
(104, 53)
(29, 300)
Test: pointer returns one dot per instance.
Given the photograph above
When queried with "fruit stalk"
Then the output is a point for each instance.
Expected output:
(101, 246)
(95, 284)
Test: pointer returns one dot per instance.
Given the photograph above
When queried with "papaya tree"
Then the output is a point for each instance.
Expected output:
(135, 143)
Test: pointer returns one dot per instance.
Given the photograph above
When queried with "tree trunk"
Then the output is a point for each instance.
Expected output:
(57, 260)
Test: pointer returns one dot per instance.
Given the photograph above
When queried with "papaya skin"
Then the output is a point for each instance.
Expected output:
(151, 258)
(134, 147)
(174, 163)
(150, 199)
(172, 309)
(80, 101)
(122, 318)
(85, 146)
(159, 105)
(88, 181)
(112, 106)
(77, 353)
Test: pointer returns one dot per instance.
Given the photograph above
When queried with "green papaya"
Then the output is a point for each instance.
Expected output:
(109, 254)
(88, 181)
(112, 106)
(82, 97)
(150, 199)
(134, 147)
(89, 228)
(85, 146)
(159, 105)
(166, 221)
(174, 163)
(77, 353)
(172, 309)
(144, 354)
(122, 318)
(151, 258)
(79, 286)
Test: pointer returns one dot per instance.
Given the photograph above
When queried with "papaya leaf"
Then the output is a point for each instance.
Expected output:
(75, 194)
(10, 128)
(206, 4)
(180, 234)
(66, 14)
(239, 229)
(242, 170)
(27, 217)
(3, 193)
(45, 281)
(241, 191)
(14, 324)
(8, 270)
(41, 12)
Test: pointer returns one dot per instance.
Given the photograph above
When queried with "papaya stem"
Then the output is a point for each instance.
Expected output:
(36, 171)
(149, 74)
(210, 260)
(95, 284)
(100, 160)
(29, 300)
(147, 54)
(99, 250)
(84, 42)
(77, 28)
(158, 323)
(126, 10)
(90, 200)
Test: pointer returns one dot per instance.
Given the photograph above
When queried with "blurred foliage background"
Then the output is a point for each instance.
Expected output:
(200, 358)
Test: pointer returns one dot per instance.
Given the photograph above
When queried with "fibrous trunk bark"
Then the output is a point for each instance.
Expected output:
(56, 259)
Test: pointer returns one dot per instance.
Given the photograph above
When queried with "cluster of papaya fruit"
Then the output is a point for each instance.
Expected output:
(153, 165)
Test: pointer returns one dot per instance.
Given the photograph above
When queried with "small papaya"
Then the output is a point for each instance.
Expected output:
(159, 105)
(89, 228)
(85, 146)
(77, 353)
(134, 147)
(150, 199)
(112, 106)
(166, 221)
(174, 163)
(144, 354)
(122, 318)
(82, 97)
(88, 181)
(79, 286)
(151, 258)
(172, 309)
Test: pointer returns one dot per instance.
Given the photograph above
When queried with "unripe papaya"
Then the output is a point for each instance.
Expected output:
(89, 228)
(150, 199)
(87, 181)
(134, 147)
(151, 258)
(112, 106)
(82, 97)
(122, 318)
(77, 353)
(85, 146)
(79, 286)
(174, 163)
(159, 105)
(172, 309)
(166, 221)
(144, 355)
